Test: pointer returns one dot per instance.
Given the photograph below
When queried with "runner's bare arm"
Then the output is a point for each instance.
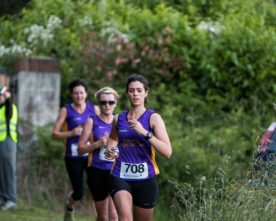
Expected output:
(160, 139)
(83, 146)
(112, 140)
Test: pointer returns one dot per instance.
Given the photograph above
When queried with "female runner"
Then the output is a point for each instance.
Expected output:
(138, 133)
(99, 167)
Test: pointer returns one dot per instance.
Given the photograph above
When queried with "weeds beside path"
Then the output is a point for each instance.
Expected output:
(37, 214)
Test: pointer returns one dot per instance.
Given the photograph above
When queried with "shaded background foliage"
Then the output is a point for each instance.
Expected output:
(11, 7)
(211, 67)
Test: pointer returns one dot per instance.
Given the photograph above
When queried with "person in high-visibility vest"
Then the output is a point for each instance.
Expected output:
(8, 145)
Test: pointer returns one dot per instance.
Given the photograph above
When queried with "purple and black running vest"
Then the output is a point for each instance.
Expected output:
(100, 129)
(73, 120)
(136, 159)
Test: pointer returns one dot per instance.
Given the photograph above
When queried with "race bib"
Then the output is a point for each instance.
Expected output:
(134, 171)
(74, 150)
(102, 156)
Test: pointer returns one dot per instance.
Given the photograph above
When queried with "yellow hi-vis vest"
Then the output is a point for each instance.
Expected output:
(13, 123)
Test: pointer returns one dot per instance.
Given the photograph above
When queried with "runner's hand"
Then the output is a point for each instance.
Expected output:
(110, 153)
(77, 131)
(137, 126)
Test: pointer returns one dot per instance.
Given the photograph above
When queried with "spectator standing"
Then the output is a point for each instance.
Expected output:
(8, 148)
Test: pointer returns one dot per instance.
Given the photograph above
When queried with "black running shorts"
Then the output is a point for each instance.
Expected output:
(97, 181)
(144, 193)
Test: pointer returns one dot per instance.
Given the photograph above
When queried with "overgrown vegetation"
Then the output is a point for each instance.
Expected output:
(223, 199)
(211, 67)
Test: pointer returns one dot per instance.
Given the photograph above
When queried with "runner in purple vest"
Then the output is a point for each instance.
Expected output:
(138, 133)
(73, 116)
(99, 126)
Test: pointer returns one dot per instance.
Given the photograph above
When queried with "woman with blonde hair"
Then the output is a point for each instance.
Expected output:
(98, 128)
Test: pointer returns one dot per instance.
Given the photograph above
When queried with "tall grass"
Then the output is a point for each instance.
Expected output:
(224, 199)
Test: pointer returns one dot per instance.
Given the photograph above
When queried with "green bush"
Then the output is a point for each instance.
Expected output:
(43, 172)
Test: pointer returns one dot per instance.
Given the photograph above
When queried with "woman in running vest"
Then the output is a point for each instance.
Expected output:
(72, 117)
(99, 126)
(139, 133)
